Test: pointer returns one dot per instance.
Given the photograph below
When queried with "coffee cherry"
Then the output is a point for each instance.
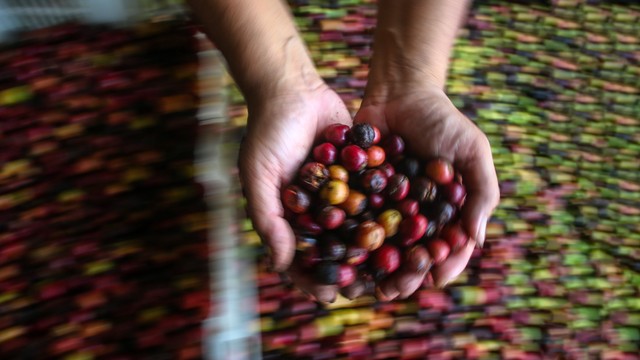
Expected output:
(409, 166)
(310, 257)
(330, 217)
(331, 248)
(334, 192)
(353, 158)
(338, 172)
(454, 235)
(347, 231)
(453, 193)
(388, 169)
(432, 228)
(393, 145)
(304, 242)
(370, 235)
(374, 181)
(440, 171)
(336, 134)
(327, 272)
(423, 190)
(386, 258)
(346, 275)
(439, 250)
(443, 212)
(376, 156)
(313, 176)
(295, 199)
(412, 229)
(377, 136)
(397, 187)
(408, 207)
(355, 203)
(366, 216)
(390, 220)
(418, 257)
(362, 135)
(356, 255)
(376, 201)
(325, 153)
(308, 226)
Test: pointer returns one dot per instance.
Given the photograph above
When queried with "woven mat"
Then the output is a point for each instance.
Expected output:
(555, 88)
(103, 241)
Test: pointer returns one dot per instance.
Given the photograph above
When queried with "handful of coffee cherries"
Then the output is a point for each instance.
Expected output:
(361, 204)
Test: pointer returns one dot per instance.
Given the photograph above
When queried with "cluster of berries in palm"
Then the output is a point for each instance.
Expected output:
(362, 202)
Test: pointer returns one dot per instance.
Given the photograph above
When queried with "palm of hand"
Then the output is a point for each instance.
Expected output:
(280, 134)
(432, 127)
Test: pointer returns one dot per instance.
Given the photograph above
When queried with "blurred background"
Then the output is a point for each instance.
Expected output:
(122, 227)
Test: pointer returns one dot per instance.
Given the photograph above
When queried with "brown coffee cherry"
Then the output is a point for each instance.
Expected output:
(370, 235)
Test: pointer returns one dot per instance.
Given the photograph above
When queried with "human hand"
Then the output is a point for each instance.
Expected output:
(283, 126)
(433, 128)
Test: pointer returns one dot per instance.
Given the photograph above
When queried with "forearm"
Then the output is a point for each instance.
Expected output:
(260, 43)
(413, 42)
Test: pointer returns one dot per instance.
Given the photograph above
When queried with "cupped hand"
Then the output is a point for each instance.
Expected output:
(433, 128)
(281, 131)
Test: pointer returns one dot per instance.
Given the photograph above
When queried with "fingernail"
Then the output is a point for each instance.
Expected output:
(442, 284)
(381, 296)
(481, 232)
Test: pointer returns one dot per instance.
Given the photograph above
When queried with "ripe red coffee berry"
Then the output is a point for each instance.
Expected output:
(295, 199)
(439, 250)
(313, 176)
(374, 181)
(377, 136)
(310, 257)
(388, 169)
(346, 275)
(353, 158)
(412, 229)
(356, 255)
(454, 235)
(307, 225)
(376, 201)
(331, 217)
(376, 156)
(397, 187)
(393, 145)
(362, 135)
(325, 153)
(440, 171)
(336, 134)
(386, 258)
(454, 193)
(408, 207)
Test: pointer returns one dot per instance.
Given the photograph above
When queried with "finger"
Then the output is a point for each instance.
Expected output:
(266, 212)
(408, 279)
(306, 283)
(483, 193)
(454, 265)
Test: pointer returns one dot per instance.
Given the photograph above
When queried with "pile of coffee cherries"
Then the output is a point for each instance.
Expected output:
(361, 203)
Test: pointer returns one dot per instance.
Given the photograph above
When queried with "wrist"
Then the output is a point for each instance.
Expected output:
(287, 73)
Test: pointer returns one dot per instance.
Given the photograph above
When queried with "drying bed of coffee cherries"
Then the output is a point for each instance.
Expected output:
(103, 246)
(362, 205)
(554, 87)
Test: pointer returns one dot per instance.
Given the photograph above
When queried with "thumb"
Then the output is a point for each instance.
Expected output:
(264, 206)
(483, 193)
